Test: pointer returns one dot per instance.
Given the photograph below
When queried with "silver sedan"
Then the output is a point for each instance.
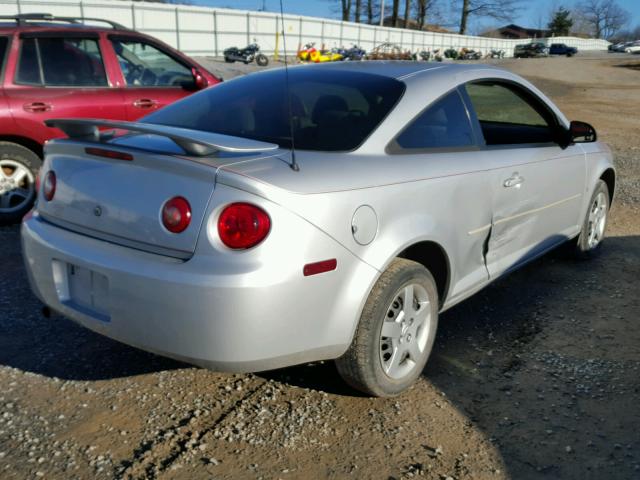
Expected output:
(328, 213)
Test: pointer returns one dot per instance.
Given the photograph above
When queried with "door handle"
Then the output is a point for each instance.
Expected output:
(37, 107)
(514, 180)
(145, 103)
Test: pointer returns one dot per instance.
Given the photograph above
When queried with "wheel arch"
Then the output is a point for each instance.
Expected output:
(434, 258)
(609, 177)
(25, 142)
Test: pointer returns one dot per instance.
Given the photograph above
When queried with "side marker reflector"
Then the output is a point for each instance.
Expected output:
(319, 267)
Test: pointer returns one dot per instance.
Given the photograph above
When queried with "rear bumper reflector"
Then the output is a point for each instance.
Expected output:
(319, 267)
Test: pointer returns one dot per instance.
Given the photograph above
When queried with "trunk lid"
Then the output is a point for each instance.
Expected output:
(121, 201)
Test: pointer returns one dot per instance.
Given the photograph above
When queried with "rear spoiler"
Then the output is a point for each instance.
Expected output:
(193, 142)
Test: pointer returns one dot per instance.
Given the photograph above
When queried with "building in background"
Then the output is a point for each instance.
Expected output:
(513, 31)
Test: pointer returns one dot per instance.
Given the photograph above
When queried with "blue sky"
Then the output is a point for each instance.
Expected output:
(533, 14)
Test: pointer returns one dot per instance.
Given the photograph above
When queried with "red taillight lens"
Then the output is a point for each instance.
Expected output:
(176, 214)
(49, 186)
(102, 152)
(242, 225)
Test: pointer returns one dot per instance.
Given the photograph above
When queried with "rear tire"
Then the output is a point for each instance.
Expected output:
(589, 241)
(393, 339)
(18, 170)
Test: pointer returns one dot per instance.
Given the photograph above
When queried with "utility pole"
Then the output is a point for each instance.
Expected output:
(381, 13)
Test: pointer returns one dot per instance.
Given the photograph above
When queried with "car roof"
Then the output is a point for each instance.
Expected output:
(400, 69)
(36, 22)
(10, 27)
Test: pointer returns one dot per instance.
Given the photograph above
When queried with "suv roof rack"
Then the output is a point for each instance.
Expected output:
(25, 18)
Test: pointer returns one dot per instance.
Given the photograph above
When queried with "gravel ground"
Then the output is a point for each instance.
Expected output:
(537, 376)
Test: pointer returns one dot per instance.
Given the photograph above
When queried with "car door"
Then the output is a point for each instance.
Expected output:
(152, 76)
(60, 75)
(441, 146)
(537, 186)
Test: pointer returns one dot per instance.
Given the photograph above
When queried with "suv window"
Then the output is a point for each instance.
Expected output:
(4, 41)
(61, 62)
(508, 115)
(443, 124)
(144, 65)
(326, 110)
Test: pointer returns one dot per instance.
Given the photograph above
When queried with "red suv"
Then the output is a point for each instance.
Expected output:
(56, 67)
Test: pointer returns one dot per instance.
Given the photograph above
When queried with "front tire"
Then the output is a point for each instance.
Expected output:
(18, 169)
(396, 332)
(262, 60)
(589, 241)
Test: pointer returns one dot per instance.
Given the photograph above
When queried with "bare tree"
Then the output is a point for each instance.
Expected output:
(356, 14)
(424, 8)
(605, 17)
(394, 13)
(498, 9)
(370, 11)
(407, 12)
(345, 7)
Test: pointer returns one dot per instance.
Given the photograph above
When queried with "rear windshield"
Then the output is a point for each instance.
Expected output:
(331, 110)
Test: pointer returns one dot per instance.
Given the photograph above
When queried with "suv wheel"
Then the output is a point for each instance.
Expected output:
(18, 169)
(395, 333)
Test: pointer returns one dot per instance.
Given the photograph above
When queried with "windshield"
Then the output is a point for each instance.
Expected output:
(331, 110)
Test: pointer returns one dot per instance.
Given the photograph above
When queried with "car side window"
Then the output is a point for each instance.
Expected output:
(4, 41)
(444, 124)
(144, 65)
(507, 116)
(28, 69)
(61, 62)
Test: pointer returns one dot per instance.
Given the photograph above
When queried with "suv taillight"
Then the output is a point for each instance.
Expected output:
(243, 225)
(49, 186)
(176, 214)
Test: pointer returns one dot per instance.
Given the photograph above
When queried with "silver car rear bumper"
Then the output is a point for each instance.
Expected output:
(195, 311)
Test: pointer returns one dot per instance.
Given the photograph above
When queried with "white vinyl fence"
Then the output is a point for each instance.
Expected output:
(208, 31)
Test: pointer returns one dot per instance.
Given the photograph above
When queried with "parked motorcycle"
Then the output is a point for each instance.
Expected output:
(305, 53)
(424, 55)
(246, 55)
(496, 54)
(468, 54)
(355, 53)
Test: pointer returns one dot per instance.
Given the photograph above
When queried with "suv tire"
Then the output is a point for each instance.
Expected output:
(18, 169)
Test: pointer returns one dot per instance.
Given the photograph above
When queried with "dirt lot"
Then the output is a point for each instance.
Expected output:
(538, 376)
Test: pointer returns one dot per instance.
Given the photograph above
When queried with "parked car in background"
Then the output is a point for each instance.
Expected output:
(411, 188)
(57, 67)
(633, 47)
(562, 49)
(531, 50)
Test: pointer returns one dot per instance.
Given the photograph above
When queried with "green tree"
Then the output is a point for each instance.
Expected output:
(561, 22)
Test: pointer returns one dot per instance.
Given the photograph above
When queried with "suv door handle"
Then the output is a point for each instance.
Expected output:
(37, 107)
(514, 180)
(145, 103)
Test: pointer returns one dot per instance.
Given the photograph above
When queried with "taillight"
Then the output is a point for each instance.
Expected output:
(114, 154)
(176, 214)
(49, 186)
(242, 225)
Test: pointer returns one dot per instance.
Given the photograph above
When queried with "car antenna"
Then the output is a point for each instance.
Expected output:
(294, 163)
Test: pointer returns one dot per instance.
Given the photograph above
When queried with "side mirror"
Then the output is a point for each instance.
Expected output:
(198, 79)
(582, 132)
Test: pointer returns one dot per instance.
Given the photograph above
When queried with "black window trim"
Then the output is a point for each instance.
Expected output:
(157, 45)
(5, 59)
(547, 113)
(393, 148)
(42, 84)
